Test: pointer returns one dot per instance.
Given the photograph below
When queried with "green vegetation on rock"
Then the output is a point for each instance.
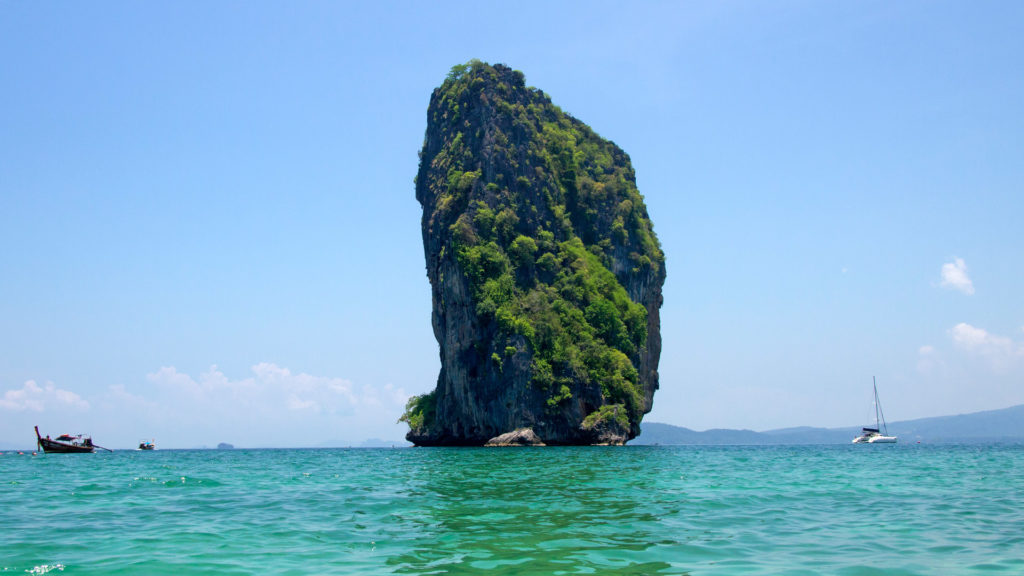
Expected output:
(544, 221)
(420, 411)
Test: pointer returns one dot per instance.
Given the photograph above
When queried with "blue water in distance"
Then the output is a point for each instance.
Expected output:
(845, 510)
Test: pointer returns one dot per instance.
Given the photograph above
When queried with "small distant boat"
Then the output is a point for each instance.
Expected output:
(67, 444)
(147, 445)
(876, 435)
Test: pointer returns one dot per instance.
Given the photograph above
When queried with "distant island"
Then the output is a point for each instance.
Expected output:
(1005, 425)
(225, 446)
(545, 271)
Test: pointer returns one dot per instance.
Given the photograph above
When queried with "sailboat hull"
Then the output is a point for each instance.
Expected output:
(874, 438)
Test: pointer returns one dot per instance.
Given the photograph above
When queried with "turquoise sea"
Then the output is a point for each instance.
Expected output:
(904, 509)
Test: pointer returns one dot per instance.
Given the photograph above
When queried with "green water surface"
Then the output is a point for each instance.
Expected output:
(846, 510)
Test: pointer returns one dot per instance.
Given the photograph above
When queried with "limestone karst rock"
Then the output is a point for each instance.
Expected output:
(545, 271)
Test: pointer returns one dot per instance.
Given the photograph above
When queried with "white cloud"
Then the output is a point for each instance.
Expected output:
(272, 388)
(266, 405)
(169, 377)
(308, 391)
(296, 403)
(979, 340)
(38, 399)
(119, 395)
(1000, 350)
(954, 276)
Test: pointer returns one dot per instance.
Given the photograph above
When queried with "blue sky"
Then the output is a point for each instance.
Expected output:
(208, 228)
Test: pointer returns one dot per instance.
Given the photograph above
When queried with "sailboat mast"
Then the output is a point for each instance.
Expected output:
(878, 409)
(875, 386)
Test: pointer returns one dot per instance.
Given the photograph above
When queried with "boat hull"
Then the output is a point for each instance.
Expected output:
(54, 447)
(875, 439)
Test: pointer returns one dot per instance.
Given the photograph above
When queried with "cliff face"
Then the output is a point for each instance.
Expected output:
(545, 271)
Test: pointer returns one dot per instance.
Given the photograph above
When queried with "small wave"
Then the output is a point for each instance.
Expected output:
(191, 482)
(45, 568)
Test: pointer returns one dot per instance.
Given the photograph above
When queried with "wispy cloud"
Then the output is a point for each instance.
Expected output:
(267, 405)
(37, 398)
(270, 388)
(272, 405)
(954, 276)
(999, 350)
(121, 397)
(928, 359)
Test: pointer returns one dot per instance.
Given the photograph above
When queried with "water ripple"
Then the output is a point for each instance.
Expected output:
(635, 510)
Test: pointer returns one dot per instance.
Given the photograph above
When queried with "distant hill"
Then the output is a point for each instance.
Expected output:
(1006, 425)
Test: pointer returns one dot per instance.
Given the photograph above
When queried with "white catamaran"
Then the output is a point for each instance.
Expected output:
(872, 435)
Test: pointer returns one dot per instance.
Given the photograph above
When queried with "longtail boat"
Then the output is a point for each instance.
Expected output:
(66, 444)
